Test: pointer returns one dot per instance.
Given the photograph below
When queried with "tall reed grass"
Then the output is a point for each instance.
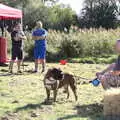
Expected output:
(77, 43)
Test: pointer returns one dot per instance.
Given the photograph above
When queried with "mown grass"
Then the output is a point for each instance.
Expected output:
(22, 96)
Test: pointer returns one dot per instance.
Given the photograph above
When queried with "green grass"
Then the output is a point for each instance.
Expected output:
(22, 96)
(106, 59)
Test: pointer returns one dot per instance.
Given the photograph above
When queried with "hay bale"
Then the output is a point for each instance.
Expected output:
(112, 104)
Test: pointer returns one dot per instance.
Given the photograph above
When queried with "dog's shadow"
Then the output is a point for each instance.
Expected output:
(28, 106)
(93, 111)
(51, 102)
(48, 102)
(34, 106)
(7, 74)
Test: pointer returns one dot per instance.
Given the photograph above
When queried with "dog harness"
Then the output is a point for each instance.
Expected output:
(50, 82)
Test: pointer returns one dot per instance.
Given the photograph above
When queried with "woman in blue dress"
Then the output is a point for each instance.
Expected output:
(39, 35)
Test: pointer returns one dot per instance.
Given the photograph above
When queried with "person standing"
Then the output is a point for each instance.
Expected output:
(17, 37)
(39, 35)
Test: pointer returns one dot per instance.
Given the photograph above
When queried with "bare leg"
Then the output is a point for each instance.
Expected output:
(11, 66)
(19, 65)
(55, 95)
(43, 65)
(36, 65)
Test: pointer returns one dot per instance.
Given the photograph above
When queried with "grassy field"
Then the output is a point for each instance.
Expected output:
(22, 96)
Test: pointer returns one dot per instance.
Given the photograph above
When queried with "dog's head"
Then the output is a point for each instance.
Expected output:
(56, 73)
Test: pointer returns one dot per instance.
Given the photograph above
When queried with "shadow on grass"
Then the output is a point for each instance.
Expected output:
(33, 106)
(10, 74)
(93, 112)
(28, 106)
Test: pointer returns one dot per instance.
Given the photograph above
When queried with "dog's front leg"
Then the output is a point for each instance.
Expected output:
(68, 94)
(55, 95)
(48, 94)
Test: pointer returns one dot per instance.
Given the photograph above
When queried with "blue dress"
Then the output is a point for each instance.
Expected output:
(40, 45)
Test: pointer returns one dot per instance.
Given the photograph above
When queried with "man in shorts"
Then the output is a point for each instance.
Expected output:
(17, 37)
(110, 77)
(39, 36)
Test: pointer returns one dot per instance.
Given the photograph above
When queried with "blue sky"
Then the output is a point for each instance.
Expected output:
(75, 4)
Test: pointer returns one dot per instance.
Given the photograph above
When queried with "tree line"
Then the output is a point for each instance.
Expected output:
(95, 13)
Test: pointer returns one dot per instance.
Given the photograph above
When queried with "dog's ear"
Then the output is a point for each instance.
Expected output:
(55, 70)
(59, 74)
(59, 69)
(49, 72)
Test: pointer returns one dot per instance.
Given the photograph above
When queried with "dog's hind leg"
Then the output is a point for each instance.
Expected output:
(74, 89)
(55, 95)
(67, 90)
(48, 94)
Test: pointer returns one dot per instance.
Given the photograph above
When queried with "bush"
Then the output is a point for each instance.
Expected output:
(82, 43)
(78, 43)
(71, 47)
(28, 46)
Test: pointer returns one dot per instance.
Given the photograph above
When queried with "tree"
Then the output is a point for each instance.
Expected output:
(34, 12)
(55, 16)
(99, 13)
(61, 18)
(15, 3)
(23, 3)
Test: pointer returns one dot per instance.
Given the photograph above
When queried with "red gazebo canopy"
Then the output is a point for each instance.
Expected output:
(7, 12)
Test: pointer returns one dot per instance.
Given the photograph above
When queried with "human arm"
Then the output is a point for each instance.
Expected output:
(33, 37)
(22, 36)
(17, 36)
(108, 69)
(39, 35)
(36, 37)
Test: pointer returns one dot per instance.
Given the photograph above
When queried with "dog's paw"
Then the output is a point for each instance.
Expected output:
(47, 102)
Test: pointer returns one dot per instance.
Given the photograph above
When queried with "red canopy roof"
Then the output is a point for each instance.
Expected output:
(7, 12)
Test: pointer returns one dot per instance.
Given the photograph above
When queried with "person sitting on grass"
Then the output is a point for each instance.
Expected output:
(39, 35)
(110, 77)
(17, 37)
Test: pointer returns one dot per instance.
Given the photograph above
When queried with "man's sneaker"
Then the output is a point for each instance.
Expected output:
(10, 71)
(35, 71)
(43, 70)
(19, 71)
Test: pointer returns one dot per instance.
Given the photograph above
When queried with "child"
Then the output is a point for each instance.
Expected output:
(110, 77)
(39, 35)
